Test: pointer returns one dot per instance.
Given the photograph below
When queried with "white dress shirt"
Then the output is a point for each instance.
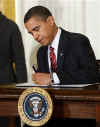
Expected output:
(54, 45)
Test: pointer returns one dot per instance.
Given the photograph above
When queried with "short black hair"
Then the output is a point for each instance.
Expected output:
(39, 11)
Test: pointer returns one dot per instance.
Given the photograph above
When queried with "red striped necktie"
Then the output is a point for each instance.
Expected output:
(53, 59)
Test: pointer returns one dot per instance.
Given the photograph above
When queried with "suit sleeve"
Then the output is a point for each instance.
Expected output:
(18, 56)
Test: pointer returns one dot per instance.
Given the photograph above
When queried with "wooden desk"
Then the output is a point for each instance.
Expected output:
(68, 103)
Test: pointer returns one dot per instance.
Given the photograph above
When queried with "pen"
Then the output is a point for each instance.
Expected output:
(34, 68)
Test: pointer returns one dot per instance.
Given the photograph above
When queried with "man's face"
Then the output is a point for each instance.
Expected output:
(42, 31)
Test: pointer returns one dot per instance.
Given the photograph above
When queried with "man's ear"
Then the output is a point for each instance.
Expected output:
(50, 20)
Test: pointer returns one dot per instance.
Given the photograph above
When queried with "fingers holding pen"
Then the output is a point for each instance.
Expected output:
(41, 78)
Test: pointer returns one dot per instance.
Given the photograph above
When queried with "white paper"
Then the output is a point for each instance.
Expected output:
(28, 85)
(53, 85)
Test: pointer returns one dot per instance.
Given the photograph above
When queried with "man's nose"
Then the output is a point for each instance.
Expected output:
(35, 35)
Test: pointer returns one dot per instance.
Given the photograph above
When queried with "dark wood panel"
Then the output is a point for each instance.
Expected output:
(8, 108)
(75, 109)
(68, 103)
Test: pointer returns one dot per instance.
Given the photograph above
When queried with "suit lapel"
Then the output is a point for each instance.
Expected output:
(46, 60)
(61, 50)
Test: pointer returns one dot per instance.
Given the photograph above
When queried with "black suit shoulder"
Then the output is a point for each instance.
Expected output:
(6, 23)
(12, 50)
(71, 36)
(75, 41)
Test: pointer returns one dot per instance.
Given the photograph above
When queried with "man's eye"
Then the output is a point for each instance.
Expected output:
(37, 28)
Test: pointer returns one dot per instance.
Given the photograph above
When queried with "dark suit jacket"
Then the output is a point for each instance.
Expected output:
(11, 50)
(76, 62)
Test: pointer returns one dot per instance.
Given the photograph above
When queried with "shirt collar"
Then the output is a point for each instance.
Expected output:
(55, 42)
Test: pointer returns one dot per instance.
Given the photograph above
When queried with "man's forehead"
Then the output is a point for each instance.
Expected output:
(33, 20)
(31, 24)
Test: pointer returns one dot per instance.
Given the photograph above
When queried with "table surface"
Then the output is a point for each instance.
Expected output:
(86, 93)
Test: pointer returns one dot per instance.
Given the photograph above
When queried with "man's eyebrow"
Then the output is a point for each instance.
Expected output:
(36, 28)
(33, 29)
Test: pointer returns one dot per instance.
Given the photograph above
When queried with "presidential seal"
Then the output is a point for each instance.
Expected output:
(35, 106)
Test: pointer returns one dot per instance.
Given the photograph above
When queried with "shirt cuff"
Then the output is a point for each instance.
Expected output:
(55, 79)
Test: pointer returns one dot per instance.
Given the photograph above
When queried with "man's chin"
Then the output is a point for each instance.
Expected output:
(43, 43)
